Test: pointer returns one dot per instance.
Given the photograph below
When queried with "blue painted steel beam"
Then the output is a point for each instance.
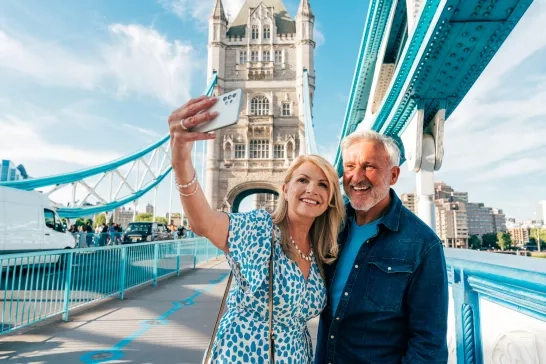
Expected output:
(422, 64)
(378, 12)
(75, 212)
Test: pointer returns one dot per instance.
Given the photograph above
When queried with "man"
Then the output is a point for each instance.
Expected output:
(388, 291)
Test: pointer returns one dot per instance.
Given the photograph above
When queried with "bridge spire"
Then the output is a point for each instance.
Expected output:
(218, 13)
(305, 10)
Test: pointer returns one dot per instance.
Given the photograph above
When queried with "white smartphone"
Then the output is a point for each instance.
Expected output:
(228, 107)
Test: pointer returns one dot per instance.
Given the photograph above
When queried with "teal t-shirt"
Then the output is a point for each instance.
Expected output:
(357, 236)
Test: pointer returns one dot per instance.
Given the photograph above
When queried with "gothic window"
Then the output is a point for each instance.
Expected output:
(267, 31)
(255, 32)
(259, 149)
(266, 56)
(240, 151)
(278, 56)
(278, 151)
(254, 56)
(259, 106)
(286, 109)
(243, 57)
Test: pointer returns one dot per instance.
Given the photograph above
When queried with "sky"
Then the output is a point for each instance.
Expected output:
(87, 82)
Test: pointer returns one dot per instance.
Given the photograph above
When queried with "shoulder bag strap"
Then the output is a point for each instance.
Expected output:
(220, 314)
(271, 334)
(223, 304)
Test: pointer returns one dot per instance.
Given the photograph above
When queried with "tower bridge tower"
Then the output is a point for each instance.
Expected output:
(264, 52)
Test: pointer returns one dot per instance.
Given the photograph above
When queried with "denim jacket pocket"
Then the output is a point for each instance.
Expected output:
(386, 283)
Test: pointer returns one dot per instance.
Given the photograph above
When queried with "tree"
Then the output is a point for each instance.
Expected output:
(474, 242)
(489, 241)
(144, 216)
(79, 222)
(100, 219)
(89, 222)
(161, 219)
(504, 240)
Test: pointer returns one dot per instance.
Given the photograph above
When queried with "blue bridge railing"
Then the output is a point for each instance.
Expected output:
(40, 285)
(497, 308)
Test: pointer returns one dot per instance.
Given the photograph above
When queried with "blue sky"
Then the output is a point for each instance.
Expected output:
(89, 81)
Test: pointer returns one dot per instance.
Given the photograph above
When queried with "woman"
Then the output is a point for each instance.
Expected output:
(304, 229)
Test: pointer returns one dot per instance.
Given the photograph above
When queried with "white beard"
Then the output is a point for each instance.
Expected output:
(378, 193)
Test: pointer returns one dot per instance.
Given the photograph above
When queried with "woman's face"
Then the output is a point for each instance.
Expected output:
(307, 192)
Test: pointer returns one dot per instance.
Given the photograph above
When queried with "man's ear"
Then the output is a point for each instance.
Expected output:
(395, 173)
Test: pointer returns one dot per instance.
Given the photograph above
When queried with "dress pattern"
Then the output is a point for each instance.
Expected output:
(242, 335)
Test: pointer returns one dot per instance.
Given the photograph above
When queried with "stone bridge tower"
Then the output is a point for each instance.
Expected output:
(264, 52)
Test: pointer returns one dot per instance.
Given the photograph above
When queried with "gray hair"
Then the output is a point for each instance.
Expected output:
(371, 136)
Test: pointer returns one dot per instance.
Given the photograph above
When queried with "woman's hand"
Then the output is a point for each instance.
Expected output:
(186, 117)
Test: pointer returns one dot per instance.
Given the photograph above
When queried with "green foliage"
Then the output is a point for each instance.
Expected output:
(489, 241)
(100, 219)
(474, 242)
(504, 240)
(144, 216)
(161, 219)
(79, 222)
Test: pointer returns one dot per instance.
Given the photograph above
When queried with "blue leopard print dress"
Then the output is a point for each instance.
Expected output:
(242, 333)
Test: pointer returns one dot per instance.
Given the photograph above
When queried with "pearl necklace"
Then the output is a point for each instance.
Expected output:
(307, 257)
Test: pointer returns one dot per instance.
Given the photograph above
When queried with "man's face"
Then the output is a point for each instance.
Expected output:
(367, 174)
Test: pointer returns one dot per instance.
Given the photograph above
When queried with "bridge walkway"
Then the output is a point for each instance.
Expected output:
(167, 324)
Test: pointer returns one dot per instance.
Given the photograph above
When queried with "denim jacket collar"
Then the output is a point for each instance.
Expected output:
(391, 220)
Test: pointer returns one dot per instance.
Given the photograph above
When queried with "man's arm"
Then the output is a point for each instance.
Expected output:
(427, 305)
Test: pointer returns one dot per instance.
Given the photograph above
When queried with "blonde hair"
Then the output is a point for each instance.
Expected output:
(325, 228)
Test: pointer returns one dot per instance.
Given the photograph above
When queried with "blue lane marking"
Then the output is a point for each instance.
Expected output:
(116, 353)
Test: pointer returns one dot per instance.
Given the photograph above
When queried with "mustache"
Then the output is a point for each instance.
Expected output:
(362, 184)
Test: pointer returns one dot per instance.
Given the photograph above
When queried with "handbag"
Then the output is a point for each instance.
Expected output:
(223, 304)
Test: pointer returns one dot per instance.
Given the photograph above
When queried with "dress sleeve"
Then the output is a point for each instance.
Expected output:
(249, 245)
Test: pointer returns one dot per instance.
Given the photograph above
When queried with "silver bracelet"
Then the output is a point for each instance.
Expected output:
(179, 186)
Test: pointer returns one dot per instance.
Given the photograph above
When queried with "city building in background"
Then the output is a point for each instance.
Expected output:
(452, 223)
(150, 209)
(457, 218)
(176, 218)
(409, 200)
(123, 216)
(10, 172)
(519, 236)
(541, 213)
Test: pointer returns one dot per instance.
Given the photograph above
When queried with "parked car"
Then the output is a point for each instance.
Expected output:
(142, 232)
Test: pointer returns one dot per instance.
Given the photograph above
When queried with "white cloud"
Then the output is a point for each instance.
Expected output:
(144, 62)
(134, 60)
(22, 141)
(50, 65)
(319, 36)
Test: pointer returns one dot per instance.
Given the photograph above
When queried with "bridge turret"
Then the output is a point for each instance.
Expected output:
(305, 24)
(217, 34)
(305, 50)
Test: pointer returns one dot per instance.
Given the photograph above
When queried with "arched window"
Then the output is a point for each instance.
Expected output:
(259, 105)
(267, 31)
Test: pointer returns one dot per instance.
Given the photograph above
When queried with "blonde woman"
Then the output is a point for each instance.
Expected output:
(304, 228)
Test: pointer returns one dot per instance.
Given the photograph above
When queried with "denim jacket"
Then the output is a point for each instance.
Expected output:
(393, 309)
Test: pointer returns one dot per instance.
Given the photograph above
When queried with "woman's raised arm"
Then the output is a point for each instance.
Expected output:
(204, 221)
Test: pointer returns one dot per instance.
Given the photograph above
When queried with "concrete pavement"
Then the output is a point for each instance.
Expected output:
(169, 323)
